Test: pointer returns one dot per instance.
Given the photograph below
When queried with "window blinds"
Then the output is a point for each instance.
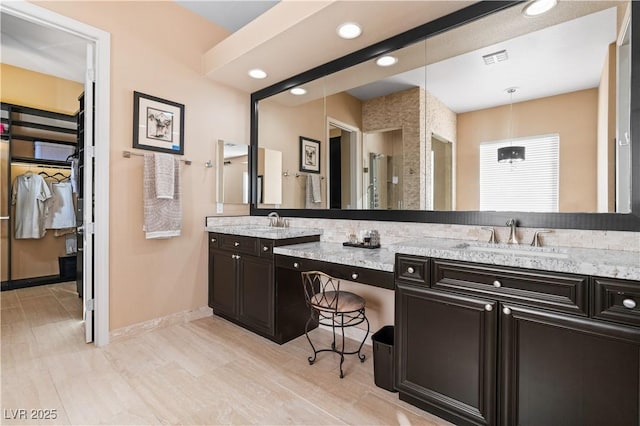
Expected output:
(530, 185)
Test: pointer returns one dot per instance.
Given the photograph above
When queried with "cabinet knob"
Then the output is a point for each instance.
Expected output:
(497, 284)
(629, 303)
(506, 311)
(410, 270)
(213, 240)
(488, 307)
(236, 244)
(265, 248)
(296, 265)
(354, 276)
(233, 256)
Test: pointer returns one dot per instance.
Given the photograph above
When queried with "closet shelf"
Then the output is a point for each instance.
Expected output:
(41, 162)
(39, 126)
(41, 113)
(37, 138)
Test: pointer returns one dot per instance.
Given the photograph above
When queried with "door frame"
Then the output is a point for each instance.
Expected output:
(102, 45)
(355, 149)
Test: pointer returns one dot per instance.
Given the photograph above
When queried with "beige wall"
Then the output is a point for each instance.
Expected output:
(37, 257)
(572, 115)
(33, 89)
(157, 49)
(607, 133)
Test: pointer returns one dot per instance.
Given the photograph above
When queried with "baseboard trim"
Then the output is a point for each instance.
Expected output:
(146, 326)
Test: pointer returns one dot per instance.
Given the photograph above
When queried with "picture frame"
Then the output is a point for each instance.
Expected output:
(158, 124)
(309, 155)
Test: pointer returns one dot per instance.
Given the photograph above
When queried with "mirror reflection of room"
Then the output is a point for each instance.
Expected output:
(449, 98)
(233, 173)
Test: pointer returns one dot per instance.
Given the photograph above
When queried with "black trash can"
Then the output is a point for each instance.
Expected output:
(383, 365)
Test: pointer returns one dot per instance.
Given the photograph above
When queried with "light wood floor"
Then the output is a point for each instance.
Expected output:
(205, 372)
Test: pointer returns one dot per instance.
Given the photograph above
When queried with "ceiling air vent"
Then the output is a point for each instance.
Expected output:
(495, 57)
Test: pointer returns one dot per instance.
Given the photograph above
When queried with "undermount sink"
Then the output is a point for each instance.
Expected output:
(549, 252)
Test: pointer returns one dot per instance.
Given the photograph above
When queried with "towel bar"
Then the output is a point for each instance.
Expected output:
(128, 154)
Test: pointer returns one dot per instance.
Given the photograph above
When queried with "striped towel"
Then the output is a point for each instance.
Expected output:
(162, 216)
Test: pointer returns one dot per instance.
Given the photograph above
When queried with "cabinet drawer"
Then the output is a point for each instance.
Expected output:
(213, 240)
(412, 269)
(239, 244)
(557, 291)
(617, 300)
(266, 248)
(355, 274)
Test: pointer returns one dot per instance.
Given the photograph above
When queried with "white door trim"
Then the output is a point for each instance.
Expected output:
(102, 43)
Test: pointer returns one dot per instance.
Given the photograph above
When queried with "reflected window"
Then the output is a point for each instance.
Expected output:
(530, 185)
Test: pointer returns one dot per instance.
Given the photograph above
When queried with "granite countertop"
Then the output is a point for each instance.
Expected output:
(379, 259)
(267, 232)
(602, 263)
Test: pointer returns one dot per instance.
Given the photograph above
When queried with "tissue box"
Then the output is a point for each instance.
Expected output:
(52, 151)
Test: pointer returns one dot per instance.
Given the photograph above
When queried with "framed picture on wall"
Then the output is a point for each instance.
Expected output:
(158, 124)
(309, 155)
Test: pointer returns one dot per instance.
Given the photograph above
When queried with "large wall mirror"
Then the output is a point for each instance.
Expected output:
(481, 115)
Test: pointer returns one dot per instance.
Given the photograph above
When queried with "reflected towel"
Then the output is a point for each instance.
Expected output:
(162, 216)
(164, 170)
(311, 193)
(316, 193)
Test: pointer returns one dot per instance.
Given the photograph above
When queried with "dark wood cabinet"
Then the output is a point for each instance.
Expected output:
(243, 287)
(256, 302)
(223, 272)
(488, 345)
(562, 370)
(446, 354)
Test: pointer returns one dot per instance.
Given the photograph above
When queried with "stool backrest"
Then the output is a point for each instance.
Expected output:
(321, 291)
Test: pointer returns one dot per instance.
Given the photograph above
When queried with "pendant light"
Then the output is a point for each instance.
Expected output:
(511, 154)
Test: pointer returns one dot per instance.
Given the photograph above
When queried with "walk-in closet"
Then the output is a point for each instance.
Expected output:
(38, 195)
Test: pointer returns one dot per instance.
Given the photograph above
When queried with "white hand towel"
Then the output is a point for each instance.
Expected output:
(162, 216)
(164, 175)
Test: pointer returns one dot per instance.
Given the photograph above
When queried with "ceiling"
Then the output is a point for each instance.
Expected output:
(42, 49)
(289, 37)
(231, 15)
(558, 59)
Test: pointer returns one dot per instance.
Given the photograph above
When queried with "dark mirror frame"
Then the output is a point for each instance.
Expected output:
(593, 221)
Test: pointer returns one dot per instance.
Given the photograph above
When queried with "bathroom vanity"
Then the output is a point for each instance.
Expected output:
(242, 284)
(485, 334)
(479, 343)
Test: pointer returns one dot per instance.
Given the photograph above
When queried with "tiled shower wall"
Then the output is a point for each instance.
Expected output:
(336, 230)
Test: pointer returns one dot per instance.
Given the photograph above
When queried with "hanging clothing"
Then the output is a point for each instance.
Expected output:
(60, 209)
(75, 173)
(29, 194)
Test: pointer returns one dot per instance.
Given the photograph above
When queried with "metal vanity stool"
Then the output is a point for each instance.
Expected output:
(334, 308)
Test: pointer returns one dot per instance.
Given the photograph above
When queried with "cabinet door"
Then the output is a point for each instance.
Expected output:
(256, 293)
(222, 283)
(562, 370)
(446, 354)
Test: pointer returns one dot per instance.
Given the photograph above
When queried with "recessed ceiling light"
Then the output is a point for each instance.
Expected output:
(257, 73)
(386, 61)
(349, 30)
(298, 91)
(538, 7)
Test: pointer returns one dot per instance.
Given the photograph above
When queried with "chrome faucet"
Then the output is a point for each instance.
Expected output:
(513, 238)
(276, 221)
